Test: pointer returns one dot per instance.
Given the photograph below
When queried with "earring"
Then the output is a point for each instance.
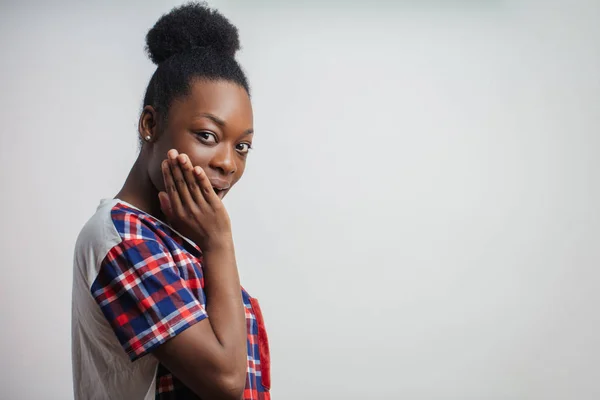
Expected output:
(148, 138)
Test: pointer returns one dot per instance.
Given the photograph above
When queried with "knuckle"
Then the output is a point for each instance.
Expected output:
(179, 182)
(197, 215)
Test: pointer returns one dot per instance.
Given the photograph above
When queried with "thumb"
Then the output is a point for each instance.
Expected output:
(165, 205)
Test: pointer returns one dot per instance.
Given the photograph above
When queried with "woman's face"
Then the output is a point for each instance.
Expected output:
(213, 125)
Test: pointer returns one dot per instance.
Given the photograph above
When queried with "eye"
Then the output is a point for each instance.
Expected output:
(243, 148)
(207, 137)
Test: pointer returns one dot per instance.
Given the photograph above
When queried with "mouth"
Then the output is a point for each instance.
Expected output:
(220, 187)
(220, 192)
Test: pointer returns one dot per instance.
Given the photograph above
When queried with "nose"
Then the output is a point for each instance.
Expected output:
(224, 160)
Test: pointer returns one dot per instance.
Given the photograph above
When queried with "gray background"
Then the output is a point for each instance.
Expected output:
(419, 217)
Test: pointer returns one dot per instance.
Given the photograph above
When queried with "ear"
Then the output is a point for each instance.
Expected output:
(148, 125)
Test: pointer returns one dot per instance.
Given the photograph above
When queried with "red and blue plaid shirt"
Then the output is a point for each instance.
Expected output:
(150, 288)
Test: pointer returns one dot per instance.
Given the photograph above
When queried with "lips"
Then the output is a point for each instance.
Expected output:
(220, 186)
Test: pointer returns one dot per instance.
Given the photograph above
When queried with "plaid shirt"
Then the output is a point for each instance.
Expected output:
(150, 288)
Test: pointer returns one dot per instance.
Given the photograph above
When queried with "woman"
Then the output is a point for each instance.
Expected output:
(158, 310)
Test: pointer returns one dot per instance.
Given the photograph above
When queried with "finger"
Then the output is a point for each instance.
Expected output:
(171, 189)
(172, 154)
(190, 178)
(182, 187)
(205, 186)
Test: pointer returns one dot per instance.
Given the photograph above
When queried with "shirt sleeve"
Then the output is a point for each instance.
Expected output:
(143, 296)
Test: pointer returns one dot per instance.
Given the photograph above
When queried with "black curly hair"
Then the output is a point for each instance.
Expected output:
(190, 42)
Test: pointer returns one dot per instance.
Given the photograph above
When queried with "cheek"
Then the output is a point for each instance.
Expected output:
(198, 161)
(201, 155)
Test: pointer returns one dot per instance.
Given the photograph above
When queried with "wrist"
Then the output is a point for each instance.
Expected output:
(219, 243)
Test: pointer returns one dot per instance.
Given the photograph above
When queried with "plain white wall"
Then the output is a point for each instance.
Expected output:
(419, 218)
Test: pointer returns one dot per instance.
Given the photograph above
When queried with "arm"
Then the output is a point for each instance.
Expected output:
(210, 356)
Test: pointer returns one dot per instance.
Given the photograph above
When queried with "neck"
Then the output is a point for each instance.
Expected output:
(139, 191)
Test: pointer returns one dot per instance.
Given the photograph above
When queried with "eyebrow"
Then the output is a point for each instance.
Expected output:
(220, 122)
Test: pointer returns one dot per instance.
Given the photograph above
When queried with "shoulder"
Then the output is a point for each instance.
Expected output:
(114, 225)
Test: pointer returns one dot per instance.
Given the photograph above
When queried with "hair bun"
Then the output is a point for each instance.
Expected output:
(191, 26)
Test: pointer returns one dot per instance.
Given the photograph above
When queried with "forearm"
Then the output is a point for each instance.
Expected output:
(224, 303)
